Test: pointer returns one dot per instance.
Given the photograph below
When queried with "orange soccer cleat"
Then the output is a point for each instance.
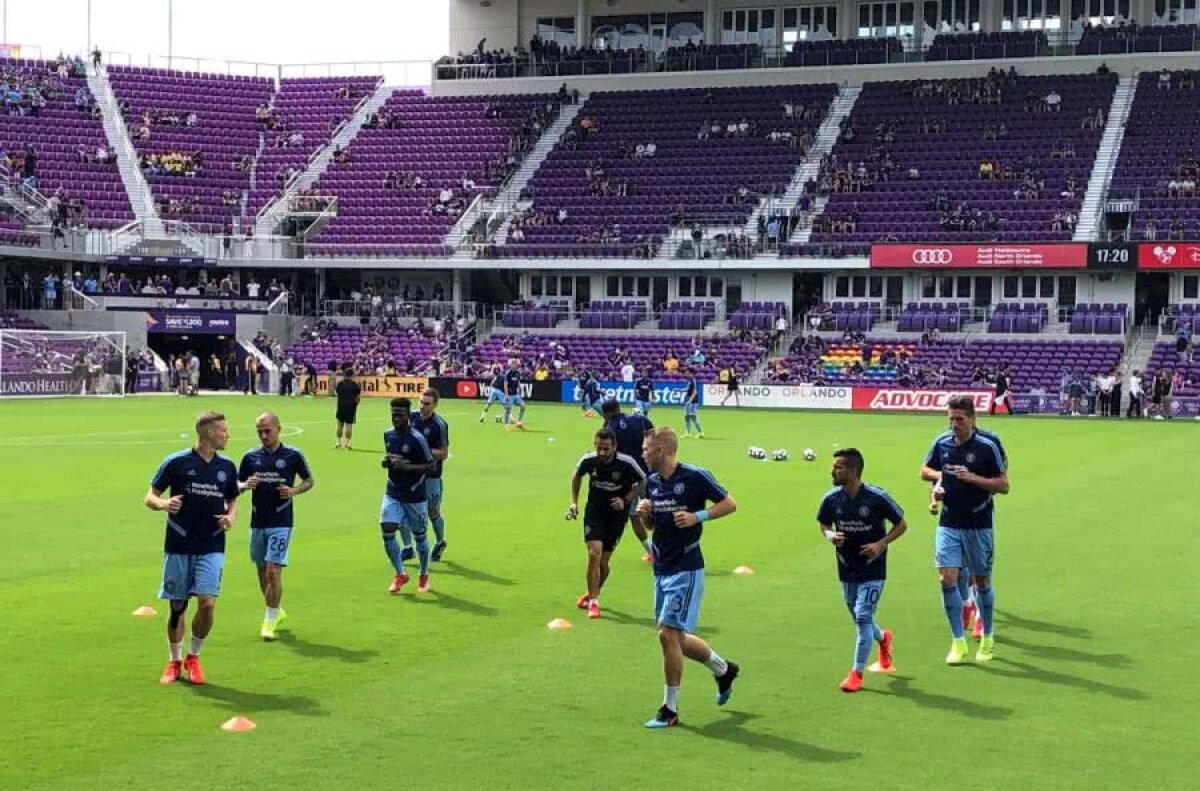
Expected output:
(884, 665)
(594, 610)
(398, 582)
(968, 611)
(171, 672)
(583, 602)
(191, 665)
(852, 682)
(423, 583)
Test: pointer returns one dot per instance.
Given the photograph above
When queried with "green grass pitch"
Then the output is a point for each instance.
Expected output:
(1094, 684)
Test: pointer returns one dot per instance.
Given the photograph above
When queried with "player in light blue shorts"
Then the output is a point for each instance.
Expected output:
(411, 517)
(191, 575)
(965, 549)
(691, 405)
(495, 391)
(270, 545)
(677, 599)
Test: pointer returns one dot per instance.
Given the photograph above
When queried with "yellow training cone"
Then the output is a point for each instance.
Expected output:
(743, 570)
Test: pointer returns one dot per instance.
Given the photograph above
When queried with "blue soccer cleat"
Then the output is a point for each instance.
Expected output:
(438, 549)
(725, 683)
(663, 718)
(406, 553)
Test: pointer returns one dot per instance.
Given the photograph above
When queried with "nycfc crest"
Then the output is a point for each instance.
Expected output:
(221, 476)
(970, 458)
(404, 448)
(678, 489)
(863, 511)
(280, 464)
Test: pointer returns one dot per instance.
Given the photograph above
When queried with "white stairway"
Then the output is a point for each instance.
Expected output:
(1092, 211)
(136, 187)
(273, 214)
(510, 193)
(827, 135)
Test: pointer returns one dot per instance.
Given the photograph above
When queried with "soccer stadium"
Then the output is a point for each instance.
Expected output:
(368, 374)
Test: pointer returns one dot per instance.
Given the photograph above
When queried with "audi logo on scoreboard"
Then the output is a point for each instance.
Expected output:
(932, 257)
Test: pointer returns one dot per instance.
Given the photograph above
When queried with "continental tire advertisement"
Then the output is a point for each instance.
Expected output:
(380, 386)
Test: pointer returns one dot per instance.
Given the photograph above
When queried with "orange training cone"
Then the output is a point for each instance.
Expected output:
(743, 570)
(238, 724)
(145, 612)
(559, 624)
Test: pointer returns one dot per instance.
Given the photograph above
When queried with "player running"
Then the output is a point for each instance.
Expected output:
(430, 425)
(349, 393)
(408, 462)
(631, 431)
(512, 393)
(589, 392)
(643, 393)
(691, 405)
(972, 470)
(202, 508)
(271, 472)
(495, 391)
(676, 495)
(852, 517)
(615, 483)
(731, 386)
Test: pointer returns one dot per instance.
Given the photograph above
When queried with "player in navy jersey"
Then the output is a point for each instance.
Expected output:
(643, 393)
(271, 472)
(972, 470)
(404, 508)
(433, 428)
(495, 391)
(589, 392)
(691, 405)
(615, 481)
(676, 506)
(853, 516)
(512, 393)
(201, 509)
(631, 431)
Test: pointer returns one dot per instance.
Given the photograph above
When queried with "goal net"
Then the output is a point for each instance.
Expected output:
(49, 363)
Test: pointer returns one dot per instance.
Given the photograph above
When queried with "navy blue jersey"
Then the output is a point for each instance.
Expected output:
(693, 389)
(207, 488)
(407, 487)
(643, 389)
(436, 434)
(617, 478)
(273, 470)
(863, 519)
(966, 507)
(498, 381)
(512, 382)
(994, 438)
(689, 488)
(592, 388)
(630, 431)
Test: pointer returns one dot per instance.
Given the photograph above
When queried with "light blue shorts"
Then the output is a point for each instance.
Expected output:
(589, 403)
(191, 575)
(496, 397)
(410, 516)
(270, 545)
(964, 549)
(690, 409)
(514, 400)
(644, 406)
(862, 598)
(433, 494)
(677, 599)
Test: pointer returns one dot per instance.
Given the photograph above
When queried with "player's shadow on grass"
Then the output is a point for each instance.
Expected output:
(1005, 618)
(312, 650)
(436, 598)
(241, 702)
(1010, 668)
(466, 572)
(901, 687)
(731, 729)
(1069, 654)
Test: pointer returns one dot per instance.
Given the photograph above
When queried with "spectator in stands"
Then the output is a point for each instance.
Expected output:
(670, 362)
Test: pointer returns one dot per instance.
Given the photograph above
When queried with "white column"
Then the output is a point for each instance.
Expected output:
(456, 287)
(582, 33)
(847, 19)
(712, 24)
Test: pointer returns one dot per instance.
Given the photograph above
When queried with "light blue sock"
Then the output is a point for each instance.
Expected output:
(862, 644)
(439, 527)
(954, 609)
(392, 548)
(986, 599)
(699, 429)
(507, 413)
(964, 585)
(423, 552)
(521, 414)
(876, 632)
(406, 536)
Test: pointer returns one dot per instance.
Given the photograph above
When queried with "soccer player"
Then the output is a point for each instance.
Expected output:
(512, 393)
(348, 393)
(643, 393)
(495, 391)
(589, 392)
(202, 508)
(631, 431)
(731, 386)
(852, 516)
(433, 428)
(271, 472)
(691, 405)
(972, 471)
(615, 483)
(408, 462)
(676, 496)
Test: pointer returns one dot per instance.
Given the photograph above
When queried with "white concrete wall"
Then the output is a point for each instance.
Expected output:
(470, 21)
(1091, 287)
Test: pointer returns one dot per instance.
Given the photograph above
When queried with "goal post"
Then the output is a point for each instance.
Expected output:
(50, 363)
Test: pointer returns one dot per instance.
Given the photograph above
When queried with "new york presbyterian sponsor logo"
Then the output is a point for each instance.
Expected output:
(665, 393)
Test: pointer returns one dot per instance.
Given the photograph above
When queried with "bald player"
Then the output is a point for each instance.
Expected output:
(276, 474)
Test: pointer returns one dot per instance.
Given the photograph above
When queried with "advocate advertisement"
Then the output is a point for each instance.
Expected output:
(183, 322)
(450, 387)
(665, 393)
(781, 396)
(380, 386)
(1169, 255)
(979, 256)
(873, 399)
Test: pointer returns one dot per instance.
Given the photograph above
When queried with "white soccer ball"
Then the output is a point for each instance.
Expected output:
(810, 454)
(757, 453)
(780, 455)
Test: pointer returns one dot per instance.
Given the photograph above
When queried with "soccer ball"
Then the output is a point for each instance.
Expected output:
(499, 419)
(810, 454)
(780, 455)
(757, 453)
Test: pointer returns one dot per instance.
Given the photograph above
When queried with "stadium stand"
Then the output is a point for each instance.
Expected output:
(986, 46)
(368, 350)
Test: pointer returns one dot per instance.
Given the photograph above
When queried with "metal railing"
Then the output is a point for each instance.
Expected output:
(391, 308)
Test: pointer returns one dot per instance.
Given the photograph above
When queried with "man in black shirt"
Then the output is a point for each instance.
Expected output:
(348, 393)
(1003, 392)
